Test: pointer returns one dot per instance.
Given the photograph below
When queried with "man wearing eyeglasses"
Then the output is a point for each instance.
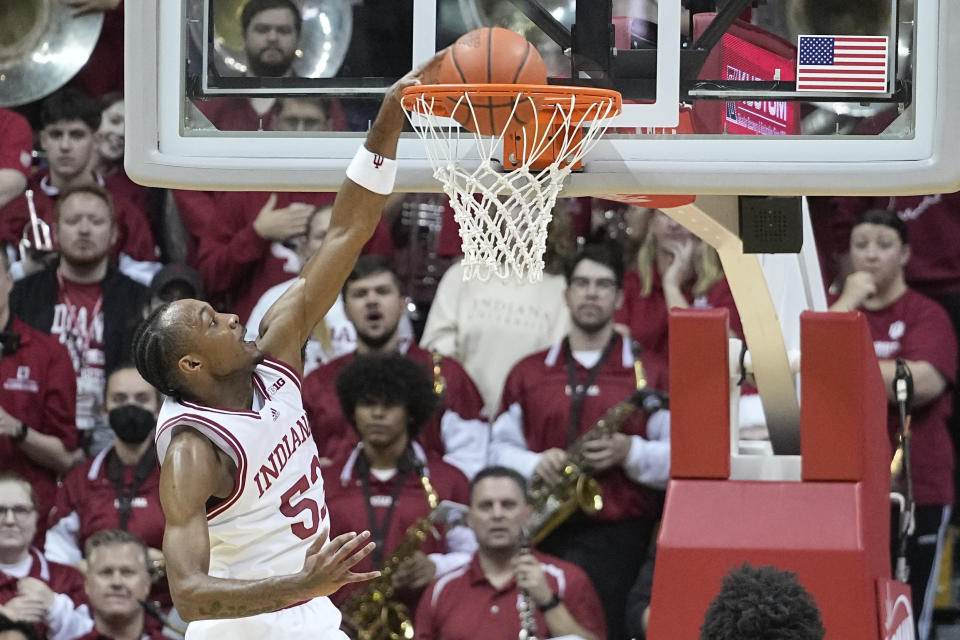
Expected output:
(554, 397)
(33, 590)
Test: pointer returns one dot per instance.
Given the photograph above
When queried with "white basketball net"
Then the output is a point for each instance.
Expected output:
(503, 214)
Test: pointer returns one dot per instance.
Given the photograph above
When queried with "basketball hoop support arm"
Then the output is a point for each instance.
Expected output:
(714, 219)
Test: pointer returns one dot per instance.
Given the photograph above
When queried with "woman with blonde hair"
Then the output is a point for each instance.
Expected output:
(674, 269)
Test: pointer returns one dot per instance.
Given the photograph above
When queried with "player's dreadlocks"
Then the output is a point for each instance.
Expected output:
(157, 346)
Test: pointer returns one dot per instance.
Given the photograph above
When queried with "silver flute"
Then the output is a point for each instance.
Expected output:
(528, 620)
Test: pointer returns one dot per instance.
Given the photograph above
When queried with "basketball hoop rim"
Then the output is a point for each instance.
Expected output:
(581, 100)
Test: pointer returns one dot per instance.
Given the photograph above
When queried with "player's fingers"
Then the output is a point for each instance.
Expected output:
(348, 547)
(356, 555)
(350, 576)
(321, 540)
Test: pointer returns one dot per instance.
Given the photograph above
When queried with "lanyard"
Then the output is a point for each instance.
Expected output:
(145, 466)
(73, 315)
(378, 531)
(578, 391)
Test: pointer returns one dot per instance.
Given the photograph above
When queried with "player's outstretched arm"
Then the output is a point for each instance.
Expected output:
(356, 212)
(192, 471)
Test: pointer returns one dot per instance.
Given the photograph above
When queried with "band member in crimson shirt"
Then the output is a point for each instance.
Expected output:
(38, 405)
(374, 302)
(117, 582)
(554, 397)
(508, 587)
(82, 300)
(905, 324)
(119, 488)
(16, 145)
(33, 589)
(380, 486)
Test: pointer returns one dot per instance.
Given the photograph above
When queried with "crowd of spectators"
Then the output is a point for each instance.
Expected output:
(503, 374)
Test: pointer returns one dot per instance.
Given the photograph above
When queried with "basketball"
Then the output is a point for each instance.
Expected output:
(493, 55)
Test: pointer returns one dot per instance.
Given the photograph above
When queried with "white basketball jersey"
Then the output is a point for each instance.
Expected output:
(277, 508)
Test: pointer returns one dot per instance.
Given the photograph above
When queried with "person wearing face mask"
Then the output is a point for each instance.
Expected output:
(119, 488)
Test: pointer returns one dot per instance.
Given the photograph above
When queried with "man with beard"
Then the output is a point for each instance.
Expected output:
(120, 487)
(374, 302)
(271, 33)
(84, 301)
(554, 397)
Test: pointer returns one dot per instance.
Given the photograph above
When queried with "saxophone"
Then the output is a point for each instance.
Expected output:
(373, 612)
(578, 489)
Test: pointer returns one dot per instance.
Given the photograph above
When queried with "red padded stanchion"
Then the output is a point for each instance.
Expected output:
(832, 528)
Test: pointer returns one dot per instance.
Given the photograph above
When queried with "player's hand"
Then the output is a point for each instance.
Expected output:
(603, 453)
(24, 609)
(415, 572)
(427, 73)
(857, 288)
(279, 224)
(680, 268)
(530, 578)
(327, 566)
(550, 466)
(81, 7)
(37, 590)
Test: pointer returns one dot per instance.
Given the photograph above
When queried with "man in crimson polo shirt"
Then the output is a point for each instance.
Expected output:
(379, 486)
(554, 397)
(507, 586)
(374, 303)
(70, 120)
(117, 581)
(16, 145)
(33, 589)
(38, 405)
(89, 306)
(905, 324)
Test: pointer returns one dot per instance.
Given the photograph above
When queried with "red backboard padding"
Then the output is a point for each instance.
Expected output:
(699, 394)
(833, 532)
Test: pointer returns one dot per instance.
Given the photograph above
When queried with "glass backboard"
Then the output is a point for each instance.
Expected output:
(740, 100)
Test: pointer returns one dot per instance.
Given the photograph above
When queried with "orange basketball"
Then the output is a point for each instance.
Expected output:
(493, 55)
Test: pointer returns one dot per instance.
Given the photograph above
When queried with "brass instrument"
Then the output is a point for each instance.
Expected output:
(439, 382)
(36, 233)
(373, 612)
(577, 489)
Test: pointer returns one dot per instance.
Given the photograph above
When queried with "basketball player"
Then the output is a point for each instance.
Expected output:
(246, 541)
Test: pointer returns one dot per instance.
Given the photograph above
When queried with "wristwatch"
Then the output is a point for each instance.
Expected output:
(552, 603)
(21, 434)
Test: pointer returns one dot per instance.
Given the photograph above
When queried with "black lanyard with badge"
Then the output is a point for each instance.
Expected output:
(125, 496)
(379, 530)
(578, 390)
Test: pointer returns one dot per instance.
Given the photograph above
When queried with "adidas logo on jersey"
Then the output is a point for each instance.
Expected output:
(274, 413)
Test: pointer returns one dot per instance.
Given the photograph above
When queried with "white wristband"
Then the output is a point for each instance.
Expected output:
(373, 171)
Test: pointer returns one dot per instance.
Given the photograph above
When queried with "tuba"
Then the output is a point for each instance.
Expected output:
(324, 36)
(373, 612)
(42, 46)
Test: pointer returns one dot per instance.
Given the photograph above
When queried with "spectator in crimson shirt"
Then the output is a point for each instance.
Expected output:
(379, 486)
(119, 488)
(551, 402)
(70, 120)
(117, 582)
(505, 579)
(16, 145)
(905, 324)
(88, 305)
(34, 590)
(374, 303)
(38, 405)
(675, 269)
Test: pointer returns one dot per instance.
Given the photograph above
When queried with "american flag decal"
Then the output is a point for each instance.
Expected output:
(855, 64)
